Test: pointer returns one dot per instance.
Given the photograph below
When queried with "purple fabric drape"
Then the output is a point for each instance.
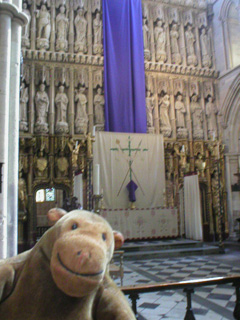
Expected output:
(124, 79)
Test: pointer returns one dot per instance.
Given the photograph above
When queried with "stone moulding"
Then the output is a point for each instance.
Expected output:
(62, 57)
(13, 11)
(98, 60)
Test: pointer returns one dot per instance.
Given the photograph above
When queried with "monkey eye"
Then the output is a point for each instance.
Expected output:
(104, 236)
(74, 226)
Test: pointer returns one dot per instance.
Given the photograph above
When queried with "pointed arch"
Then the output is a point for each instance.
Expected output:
(231, 115)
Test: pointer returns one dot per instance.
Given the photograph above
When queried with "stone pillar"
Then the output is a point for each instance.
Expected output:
(11, 21)
(51, 119)
(71, 97)
(229, 196)
(13, 140)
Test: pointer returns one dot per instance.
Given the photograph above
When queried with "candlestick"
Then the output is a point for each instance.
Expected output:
(96, 179)
(94, 131)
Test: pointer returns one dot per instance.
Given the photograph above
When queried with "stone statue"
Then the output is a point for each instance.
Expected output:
(211, 112)
(81, 120)
(61, 101)
(62, 24)
(81, 32)
(174, 36)
(160, 41)
(99, 107)
(146, 39)
(165, 125)
(22, 193)
(23, 126)
(62, 166)
(42, 106)
(164, 105)
(197, 118)
(97, 35)
(44, 28)
(190, 40)
(26, 28)
(41, 166)
(205, 48)
(149, 109)
(180, 111)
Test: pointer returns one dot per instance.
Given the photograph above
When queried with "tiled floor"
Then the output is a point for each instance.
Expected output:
(213, 302)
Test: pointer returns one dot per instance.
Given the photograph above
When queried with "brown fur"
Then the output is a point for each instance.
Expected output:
(36, 286)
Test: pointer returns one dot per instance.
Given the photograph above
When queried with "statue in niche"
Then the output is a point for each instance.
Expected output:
(42, 106)
(61, 101)
(44, 28)
(190, 41)
(160, 41)
(146, 39)
(197, 117)
(165, 125)
(62, 165)
(81, 120)
(81, 32)
(23, 126)
(200, 165)
(99, 107)
(41, 166)
(26, 28)
(22, 193)
(149, 109)
(205, 48)
(180, 111)
(211, 112)
(97, 34)
(62, 25)
(174, 36)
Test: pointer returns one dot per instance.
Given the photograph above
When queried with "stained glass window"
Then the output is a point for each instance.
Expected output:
(50, 194)
(40, 195)
(45, 195)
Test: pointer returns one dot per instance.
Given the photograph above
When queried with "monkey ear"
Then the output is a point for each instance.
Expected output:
(119, 239)
(54, 215)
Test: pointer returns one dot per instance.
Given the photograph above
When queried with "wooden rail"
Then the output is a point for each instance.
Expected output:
(188, 287)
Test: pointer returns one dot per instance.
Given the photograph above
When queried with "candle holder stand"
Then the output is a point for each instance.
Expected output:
(97, 198)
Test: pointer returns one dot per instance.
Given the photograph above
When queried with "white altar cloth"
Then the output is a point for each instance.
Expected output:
(141, 223)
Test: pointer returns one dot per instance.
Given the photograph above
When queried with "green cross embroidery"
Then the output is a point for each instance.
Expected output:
(129, 150)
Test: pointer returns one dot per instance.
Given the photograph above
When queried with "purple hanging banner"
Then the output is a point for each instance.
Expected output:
(124, 77)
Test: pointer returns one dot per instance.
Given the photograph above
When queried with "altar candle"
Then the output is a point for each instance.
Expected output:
(96, 179)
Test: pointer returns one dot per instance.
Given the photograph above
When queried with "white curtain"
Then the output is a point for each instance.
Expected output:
(124, 157)
(192, 205)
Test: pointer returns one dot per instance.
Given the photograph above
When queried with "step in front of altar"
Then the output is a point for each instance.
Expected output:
(134, 250)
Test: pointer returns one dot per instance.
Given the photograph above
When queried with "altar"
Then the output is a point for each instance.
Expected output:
(139, 223)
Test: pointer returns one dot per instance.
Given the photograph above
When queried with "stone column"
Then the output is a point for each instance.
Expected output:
(229, 196)
(51, 119)
(71, 103)
(31, 99)
(11, 21)
(13, 140)
(5, 53)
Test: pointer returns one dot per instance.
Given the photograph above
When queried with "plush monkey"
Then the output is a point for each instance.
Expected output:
(65, 276)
